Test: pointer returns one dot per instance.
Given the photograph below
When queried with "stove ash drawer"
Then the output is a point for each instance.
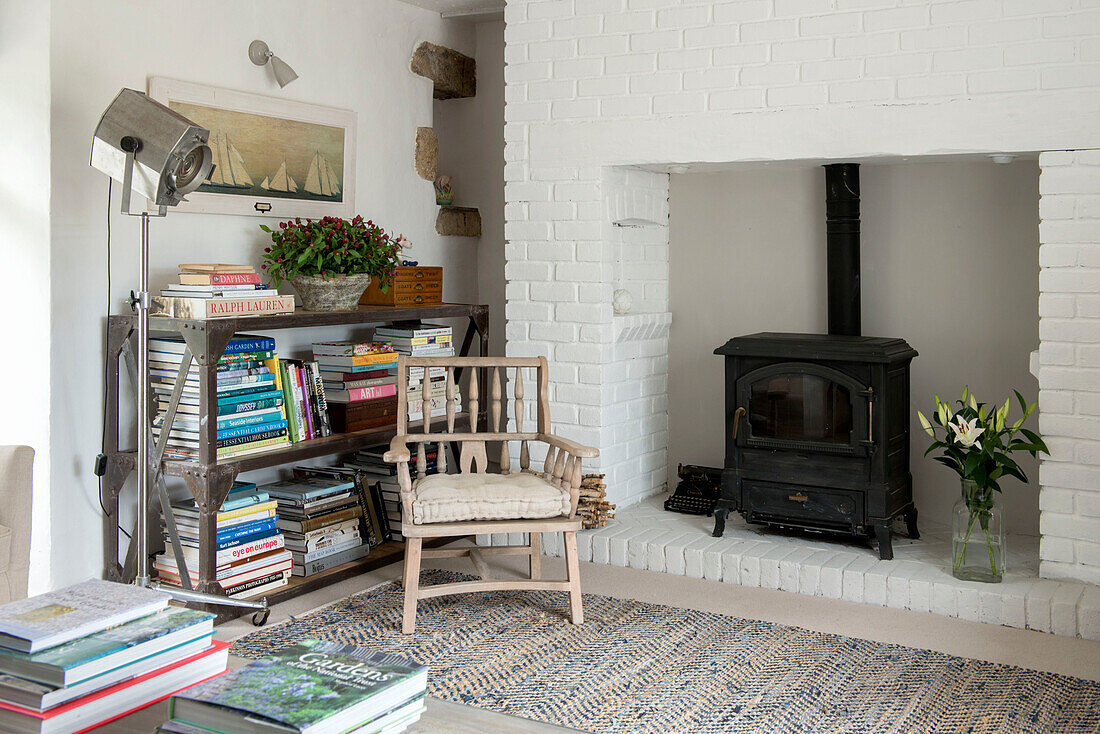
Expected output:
(801, 506)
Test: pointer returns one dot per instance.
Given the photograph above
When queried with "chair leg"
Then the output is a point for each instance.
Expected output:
(411, 583)
(536, 555)
(573, 571)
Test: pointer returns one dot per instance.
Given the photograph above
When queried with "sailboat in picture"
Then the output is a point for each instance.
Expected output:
(280, 181)
(321, 180)
(229, 169)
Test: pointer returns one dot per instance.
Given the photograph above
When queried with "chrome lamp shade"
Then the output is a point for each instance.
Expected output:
(171, 157)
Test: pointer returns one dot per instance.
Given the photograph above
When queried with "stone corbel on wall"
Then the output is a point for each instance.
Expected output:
(454, 76)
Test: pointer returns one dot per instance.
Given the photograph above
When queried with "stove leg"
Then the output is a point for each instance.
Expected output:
(885, 547)
(911, 523)
(720, 514)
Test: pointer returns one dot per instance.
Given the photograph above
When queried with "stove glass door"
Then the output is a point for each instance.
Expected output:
(803, 406)
(800, 407)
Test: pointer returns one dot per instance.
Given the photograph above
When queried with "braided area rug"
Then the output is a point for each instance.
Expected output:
(638, 667)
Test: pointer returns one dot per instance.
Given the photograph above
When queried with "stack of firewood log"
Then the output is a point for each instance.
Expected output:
(593, 508)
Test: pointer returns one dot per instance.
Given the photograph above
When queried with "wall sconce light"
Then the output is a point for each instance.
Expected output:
(260, 54)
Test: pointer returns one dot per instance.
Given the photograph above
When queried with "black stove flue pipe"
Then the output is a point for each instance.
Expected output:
(842, 228)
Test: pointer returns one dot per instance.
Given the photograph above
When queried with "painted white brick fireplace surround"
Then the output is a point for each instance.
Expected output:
(603, 95)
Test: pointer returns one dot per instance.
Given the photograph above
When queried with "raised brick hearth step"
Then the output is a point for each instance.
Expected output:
(919, 578)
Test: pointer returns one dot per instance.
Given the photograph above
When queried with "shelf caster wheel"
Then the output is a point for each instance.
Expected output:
(259, 619)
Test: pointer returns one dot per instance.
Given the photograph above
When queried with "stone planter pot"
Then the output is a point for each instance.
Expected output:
(338, 293)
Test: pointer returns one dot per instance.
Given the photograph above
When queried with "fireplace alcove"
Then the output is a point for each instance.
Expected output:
(949, 262)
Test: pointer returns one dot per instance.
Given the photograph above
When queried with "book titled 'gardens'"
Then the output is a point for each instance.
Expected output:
(313, 687)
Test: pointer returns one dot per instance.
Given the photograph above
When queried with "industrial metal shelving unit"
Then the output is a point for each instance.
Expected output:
(209, 479)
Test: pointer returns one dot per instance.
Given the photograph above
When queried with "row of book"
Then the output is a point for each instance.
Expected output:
(78, 657)
(219, 290)
(262, 401)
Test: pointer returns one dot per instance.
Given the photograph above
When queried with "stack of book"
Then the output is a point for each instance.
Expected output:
(372, 523)
(249, 397)
(382, 476)
(251, 555)
(312, 687)
(81, 656)
(219, 290)
(360, 383)
(305, 398)
(417, 339)
(319, 519)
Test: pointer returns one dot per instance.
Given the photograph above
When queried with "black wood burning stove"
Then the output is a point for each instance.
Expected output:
(817, 426)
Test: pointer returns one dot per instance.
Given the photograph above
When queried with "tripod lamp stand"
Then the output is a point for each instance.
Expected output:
(158, 154)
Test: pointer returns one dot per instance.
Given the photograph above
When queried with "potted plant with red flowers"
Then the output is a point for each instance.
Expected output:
(330, 261)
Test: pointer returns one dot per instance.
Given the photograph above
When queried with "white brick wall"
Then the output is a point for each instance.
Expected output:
(634, 385)
(1069, 363)
(597, 88)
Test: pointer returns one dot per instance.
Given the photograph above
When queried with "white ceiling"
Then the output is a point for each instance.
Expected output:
(460, 8)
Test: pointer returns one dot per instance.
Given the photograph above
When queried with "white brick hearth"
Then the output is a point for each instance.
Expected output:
(919, 578)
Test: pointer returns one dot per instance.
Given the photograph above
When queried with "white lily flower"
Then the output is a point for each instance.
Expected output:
(967, 432)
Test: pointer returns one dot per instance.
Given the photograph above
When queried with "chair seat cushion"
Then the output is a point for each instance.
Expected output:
(464, 497)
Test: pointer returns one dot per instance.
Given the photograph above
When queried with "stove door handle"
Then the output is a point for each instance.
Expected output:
(737, 415)
(871, 416)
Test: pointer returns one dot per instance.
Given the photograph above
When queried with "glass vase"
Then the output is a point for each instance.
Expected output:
(978, 535)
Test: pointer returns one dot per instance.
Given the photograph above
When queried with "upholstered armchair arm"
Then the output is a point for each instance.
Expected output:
(398, 452)
(5, 548)
(571, 447)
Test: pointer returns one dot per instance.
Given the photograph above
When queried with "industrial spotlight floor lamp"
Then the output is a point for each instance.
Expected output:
(161, 155)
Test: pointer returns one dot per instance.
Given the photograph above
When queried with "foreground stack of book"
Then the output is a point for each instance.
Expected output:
(382, 477)
(250, 410)
(313, 687)
(360, 383)
(219, 290)
(417, 339)
(81, 656)
(319, 520)
(251, 555)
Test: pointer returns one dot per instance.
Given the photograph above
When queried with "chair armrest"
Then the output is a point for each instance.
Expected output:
(398, 452)
(572, 447)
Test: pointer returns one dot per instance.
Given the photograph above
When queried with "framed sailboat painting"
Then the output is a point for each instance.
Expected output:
(272, 157)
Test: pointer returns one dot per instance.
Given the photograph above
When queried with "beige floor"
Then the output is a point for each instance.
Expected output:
(1035, 650)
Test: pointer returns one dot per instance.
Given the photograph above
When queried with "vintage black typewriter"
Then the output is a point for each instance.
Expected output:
(697, 492)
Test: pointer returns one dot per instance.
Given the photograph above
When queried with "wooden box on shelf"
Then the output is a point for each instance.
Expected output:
(348, 417)
(411, 286)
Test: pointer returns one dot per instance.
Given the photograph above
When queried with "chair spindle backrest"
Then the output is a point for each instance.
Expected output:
(524, 453)
(485, 395)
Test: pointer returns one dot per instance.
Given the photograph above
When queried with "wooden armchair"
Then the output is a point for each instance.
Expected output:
(474, 501)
